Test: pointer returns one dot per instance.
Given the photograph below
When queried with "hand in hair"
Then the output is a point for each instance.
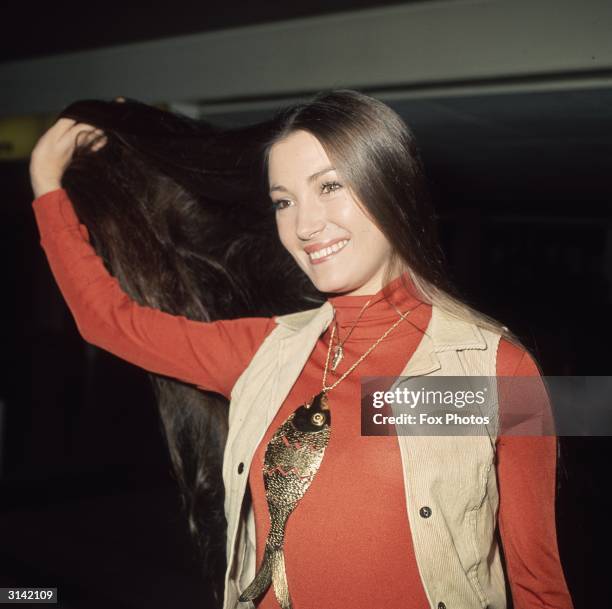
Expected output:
(55, 149)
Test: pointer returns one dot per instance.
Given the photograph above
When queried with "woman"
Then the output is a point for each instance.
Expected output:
(317, 514)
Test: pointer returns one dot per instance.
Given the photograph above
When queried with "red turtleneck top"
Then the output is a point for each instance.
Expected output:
(348, 543)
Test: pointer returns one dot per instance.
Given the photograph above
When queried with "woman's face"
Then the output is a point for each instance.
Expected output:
(315, 210)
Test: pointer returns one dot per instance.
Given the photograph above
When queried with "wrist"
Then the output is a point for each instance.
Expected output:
(41, 189)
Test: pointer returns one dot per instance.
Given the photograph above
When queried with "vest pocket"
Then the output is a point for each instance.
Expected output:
(473, 572)
(482, 520)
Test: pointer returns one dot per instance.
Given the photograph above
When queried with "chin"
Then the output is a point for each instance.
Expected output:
(331, 285)
(332, 279)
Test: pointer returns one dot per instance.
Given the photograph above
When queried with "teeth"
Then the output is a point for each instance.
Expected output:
(326, 251)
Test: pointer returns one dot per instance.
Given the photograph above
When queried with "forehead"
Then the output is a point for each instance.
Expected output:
(297, 153)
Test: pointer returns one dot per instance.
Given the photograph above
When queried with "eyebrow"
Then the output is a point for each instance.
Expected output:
(311, 178)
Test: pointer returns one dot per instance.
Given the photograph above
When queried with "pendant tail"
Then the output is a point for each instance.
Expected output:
(262, 580)
(279, 579)
(272, 571)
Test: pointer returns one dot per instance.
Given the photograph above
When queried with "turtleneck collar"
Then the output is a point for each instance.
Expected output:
(379, 311)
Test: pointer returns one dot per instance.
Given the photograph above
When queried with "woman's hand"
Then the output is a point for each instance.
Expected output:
(54, 150)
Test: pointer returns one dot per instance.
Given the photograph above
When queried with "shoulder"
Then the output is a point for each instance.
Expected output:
(295, 321)
(515, 360)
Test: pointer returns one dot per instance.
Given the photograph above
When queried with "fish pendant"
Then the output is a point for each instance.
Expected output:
(293, 456)
(338, 355)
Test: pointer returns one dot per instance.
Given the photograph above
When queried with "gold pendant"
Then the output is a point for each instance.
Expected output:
(293, 457)
(338, 355)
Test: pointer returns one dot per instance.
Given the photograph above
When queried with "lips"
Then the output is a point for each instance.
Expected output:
(313, 247)
(318, 252)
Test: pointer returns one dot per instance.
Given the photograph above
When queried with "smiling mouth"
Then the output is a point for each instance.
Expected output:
(327, 252)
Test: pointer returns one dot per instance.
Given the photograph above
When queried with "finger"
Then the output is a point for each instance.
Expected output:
(97, 134)
(77, 133)
(54, 134)
(62, 125)
(64, 120)
(86, 136)
(84, 126)
(99, 144)
(95, 139)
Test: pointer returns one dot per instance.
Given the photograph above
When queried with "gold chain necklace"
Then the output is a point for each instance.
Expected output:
(372, 347)
(319, 402)
(338, 350)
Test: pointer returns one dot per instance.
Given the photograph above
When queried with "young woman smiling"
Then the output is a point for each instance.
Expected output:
(206, 298)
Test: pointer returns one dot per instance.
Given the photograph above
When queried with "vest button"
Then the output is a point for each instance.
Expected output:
(425, 512)
(240, 467)
(441, 605)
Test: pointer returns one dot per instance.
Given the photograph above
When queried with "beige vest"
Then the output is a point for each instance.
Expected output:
(456, 545)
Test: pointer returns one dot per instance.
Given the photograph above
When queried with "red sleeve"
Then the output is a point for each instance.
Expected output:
(211, 355)
(526, 470)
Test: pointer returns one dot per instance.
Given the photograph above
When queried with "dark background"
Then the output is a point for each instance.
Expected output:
(87, 500)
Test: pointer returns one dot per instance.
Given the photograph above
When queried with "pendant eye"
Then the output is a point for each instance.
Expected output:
(318, 419)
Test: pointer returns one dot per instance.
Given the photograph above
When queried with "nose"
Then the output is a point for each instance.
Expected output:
(311, 219)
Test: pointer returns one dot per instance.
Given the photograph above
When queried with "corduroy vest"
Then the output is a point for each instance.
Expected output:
(456, 544)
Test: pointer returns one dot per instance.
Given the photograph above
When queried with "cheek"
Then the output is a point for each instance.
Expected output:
(365, 228)
(371, 238)
(284, 233)
(352, 217)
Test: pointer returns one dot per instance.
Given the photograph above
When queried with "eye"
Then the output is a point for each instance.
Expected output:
(280, 204)
(329, 187)
(326, 188)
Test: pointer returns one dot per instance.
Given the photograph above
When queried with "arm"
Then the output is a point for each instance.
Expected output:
(211, 355)
(526, 471)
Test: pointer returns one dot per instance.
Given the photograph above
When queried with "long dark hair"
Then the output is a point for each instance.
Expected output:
(178, 210)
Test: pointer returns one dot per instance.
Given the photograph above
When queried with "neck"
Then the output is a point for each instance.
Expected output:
(382, 306)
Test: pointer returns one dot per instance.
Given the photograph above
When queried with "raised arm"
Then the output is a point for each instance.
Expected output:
(209, 354)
